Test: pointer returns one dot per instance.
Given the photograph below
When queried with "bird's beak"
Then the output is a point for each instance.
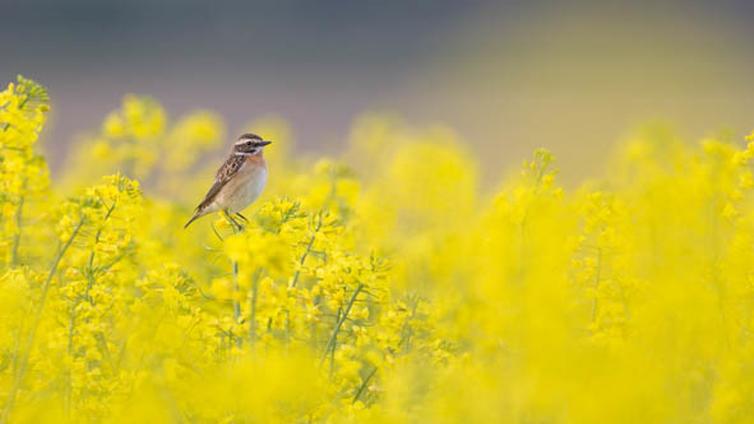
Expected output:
(264, 143)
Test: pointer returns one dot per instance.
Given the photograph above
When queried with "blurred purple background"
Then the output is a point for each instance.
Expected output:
(507, 75)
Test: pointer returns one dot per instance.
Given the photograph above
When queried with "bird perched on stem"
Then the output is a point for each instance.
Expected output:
(239, 181)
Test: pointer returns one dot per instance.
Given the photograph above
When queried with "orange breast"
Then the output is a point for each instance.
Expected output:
(257, 160)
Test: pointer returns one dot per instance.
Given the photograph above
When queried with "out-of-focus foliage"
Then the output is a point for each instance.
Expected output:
(381, 286)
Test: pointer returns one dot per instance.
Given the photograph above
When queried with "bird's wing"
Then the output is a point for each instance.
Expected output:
(224, 174)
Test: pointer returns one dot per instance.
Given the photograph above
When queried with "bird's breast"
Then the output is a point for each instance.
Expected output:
(245, 187)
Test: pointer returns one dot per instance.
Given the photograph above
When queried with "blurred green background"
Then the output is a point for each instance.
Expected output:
(508, 76)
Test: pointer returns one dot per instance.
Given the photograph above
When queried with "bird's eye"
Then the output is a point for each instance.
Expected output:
(248, 143)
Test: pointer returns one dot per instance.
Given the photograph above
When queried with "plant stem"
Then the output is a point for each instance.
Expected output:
(26, 350)
(90, 265)
(253, 307)
(341, 320)
(236, 289)
(237, 228)
(307, 251)
(19, 223)
(363, 385)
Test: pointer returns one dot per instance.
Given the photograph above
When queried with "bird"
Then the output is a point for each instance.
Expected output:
(239, 181)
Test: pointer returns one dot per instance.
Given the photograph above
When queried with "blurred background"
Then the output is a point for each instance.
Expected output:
(508, 76)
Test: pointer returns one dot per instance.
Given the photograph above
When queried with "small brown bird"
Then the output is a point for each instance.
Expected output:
(239, 181)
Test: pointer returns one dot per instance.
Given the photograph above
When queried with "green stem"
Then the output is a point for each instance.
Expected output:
(253, 307)
(237, 228)
(26, 352)
(236, 289)
(334, 336)
(307, 251)
(19, 224)
(331, 351)
(90, 265)
(363, 385)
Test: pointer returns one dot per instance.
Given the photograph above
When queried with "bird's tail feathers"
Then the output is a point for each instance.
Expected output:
(197, 214)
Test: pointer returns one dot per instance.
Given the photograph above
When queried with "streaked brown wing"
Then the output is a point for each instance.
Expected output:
(229, 168)
(224, 174)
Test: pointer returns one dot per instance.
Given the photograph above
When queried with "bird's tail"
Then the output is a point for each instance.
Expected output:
(198, 214)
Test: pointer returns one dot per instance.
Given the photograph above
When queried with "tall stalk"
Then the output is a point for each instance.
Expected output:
(308, 250)
(253, 306)
(25, 351)
(19, 225)
(237, 228)
(19, 210)
(330, 346)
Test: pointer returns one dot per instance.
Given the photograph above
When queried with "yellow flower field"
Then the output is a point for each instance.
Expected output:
(379, 285)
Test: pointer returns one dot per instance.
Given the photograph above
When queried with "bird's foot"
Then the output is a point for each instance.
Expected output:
(237, 227)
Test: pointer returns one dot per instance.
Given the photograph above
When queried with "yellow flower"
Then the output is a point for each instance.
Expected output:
(379, 286)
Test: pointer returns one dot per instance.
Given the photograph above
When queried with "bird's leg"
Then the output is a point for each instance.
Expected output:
(238, 214)
(238, 227)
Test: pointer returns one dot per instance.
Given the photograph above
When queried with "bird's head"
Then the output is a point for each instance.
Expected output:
(249, 144)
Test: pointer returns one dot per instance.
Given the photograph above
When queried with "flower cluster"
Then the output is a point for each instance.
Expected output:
(23, 173)
(382, 285)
